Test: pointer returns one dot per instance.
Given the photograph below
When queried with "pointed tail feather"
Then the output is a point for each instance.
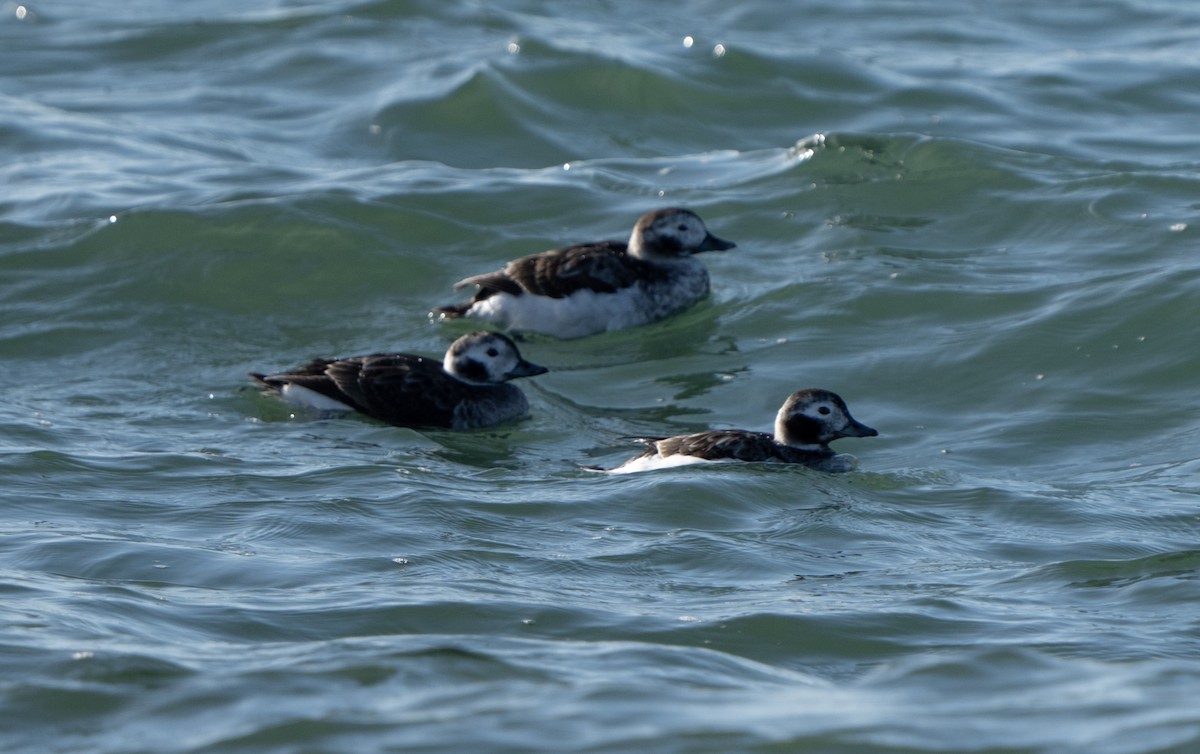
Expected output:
(266, 381)
(453, 311)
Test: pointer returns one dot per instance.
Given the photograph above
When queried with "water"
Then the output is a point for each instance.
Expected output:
(975, 221)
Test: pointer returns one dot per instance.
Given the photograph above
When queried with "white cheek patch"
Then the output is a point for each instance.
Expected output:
(302, 396)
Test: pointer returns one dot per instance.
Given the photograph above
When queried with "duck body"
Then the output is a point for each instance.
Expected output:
(808, 421)
(467, 390)
(597, 287)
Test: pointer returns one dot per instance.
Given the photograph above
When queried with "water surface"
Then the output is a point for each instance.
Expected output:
(976, 223)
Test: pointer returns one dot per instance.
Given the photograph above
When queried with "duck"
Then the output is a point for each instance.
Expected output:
(597, 287)
(467, 389)
(806, 423)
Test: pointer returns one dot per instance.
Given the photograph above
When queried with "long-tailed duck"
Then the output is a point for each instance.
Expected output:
(808, 421)
(466, 390)
(595, 287)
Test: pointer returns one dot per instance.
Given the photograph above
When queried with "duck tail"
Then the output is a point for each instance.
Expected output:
(265, 381)
(453, 311)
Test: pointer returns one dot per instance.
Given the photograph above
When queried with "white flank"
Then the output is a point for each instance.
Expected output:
(654, 463)
(575, 316)
(302, 396)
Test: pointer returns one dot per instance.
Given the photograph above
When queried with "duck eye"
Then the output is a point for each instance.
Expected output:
(682, 228)
(493, 352)
(823, 410)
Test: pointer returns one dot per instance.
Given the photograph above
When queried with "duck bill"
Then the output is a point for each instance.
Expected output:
(857, 429)
(712, 243)
(526, 369)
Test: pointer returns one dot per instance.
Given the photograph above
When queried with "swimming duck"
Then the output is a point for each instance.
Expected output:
(596, 287)
(466, 390)
(808, 421)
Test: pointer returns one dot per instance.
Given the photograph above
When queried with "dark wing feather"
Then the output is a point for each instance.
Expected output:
(722, 443)
(400, 389)
(739, 444)
(311, 376)
(603, 267)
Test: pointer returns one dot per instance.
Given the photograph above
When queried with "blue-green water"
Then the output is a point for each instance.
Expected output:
(976, 221)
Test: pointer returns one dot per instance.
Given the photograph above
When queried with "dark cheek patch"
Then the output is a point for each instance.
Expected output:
(671, 244)
(803, 429)
(472, 370)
